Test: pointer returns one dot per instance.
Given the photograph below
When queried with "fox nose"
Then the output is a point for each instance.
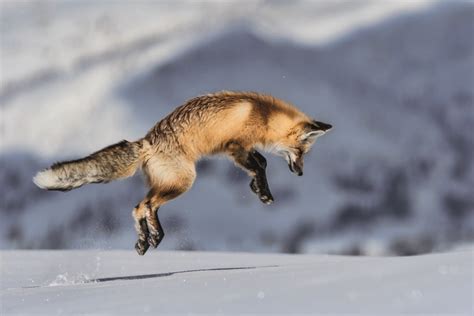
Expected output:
(323, 126)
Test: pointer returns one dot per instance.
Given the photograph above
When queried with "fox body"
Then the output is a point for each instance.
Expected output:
(236, 124)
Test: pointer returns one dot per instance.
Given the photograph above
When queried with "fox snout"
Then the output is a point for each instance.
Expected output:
(296, 166)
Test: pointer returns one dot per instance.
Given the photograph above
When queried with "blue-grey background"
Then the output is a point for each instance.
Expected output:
(395, 78)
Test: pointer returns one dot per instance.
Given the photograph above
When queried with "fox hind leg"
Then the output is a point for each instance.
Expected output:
(147, 224)
(156, 199)
(179, 178)
(141, 227)
(156, 233)
(156, 230)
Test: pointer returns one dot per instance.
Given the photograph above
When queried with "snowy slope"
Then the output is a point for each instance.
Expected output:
(394, 177)
(111, 282)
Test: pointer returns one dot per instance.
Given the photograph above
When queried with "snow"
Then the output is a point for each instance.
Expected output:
(105, 282)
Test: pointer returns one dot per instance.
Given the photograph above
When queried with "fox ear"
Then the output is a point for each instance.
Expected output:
(321, 126)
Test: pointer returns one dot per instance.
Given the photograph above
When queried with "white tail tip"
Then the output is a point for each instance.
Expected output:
(46, 179)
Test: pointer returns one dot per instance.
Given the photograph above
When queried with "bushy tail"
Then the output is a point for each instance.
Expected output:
(116, 161)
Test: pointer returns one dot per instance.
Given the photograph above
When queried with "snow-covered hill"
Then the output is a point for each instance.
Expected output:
(121, 282)
(395, 176)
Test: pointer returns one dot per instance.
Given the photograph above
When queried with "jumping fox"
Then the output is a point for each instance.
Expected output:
(232, 123)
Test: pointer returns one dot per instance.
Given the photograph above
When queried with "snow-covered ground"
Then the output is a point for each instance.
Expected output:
(121, 282)
(395, 176)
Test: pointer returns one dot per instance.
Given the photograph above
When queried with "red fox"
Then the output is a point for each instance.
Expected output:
(232, 123)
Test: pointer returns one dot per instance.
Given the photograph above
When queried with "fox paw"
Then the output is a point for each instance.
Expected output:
(263, 193)
(266, 198)
(141, 247)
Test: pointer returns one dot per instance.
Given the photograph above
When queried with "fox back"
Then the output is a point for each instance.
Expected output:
(205, 124)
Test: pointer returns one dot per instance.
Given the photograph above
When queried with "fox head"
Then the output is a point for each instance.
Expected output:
(299, 141)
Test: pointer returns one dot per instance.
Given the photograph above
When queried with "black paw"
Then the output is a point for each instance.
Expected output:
(141, 247)
(154, 240)
(263, 192)
(266, 198)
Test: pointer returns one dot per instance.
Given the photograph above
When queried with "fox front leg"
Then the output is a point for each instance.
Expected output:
(254, 163)
(259, 183)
